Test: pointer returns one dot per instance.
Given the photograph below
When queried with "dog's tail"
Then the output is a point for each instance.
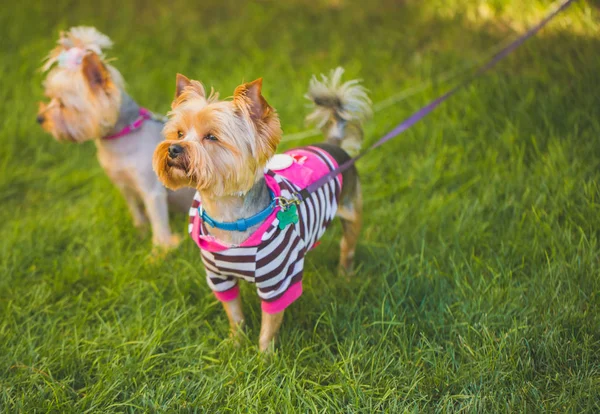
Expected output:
(340, 109)
(81, 39)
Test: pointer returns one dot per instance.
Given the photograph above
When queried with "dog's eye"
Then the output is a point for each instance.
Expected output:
(179, 134)
(210, 137)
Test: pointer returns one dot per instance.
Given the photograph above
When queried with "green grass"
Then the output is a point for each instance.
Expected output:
(478, 283)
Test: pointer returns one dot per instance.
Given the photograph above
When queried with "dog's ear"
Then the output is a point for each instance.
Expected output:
(264, 117)
(95, 71)
(249, 94)
(186, 89)
(181, 82)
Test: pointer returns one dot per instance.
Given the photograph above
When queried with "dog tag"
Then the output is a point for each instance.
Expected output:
(280, 162)
(287, 216)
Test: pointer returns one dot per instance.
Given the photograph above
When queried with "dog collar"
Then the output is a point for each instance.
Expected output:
(144, 115)
(241, 224)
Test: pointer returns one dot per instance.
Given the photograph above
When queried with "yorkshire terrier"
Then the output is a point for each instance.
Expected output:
(246, 216)
(87, 101)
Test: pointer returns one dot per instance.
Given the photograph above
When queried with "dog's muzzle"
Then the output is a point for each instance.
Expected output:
(175, 150)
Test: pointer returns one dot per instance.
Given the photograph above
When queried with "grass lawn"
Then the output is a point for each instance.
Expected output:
(478, 287)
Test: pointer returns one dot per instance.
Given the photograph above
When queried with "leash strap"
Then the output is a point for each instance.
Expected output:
(424, 111)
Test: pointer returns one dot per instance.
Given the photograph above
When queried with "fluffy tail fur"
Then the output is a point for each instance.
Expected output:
(339, 109)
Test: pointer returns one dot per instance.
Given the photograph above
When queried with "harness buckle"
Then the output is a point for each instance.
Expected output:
(285, 203)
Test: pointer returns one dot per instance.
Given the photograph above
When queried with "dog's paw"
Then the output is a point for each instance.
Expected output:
(142, 228)
(346, 270)
(161, 249)
(237, 335)
(167, 243)
(174, 241)
(266, 347)
(346, 263)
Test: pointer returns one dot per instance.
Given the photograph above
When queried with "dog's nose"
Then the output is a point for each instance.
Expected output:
(40, 119)
(175, 150)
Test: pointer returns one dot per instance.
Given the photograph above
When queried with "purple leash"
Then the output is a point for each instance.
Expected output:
(421, 113)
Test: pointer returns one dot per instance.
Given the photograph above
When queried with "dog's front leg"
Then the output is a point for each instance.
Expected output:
(158, 212)
(271, 322)
(135, 208)
(233, 308)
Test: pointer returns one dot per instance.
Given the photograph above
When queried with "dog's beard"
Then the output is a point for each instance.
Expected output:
(84, 123)
(174, 173)
(75, 128)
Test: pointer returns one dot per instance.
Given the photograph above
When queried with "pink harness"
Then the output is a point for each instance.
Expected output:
(144, 115)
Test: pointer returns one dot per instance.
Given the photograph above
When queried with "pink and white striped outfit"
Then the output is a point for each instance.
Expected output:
(271, 258)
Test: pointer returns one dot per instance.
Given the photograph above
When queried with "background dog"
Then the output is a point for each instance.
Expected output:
(87, 101)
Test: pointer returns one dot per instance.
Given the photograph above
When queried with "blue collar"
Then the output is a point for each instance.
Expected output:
(241, 224)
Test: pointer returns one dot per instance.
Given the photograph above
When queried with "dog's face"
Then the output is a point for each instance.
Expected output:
(218, 147)
(84, 100)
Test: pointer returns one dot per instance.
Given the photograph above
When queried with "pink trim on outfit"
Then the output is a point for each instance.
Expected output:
(228, 295)
(290, 295)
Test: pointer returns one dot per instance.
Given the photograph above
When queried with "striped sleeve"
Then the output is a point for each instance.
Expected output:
(223, 269)
(225, 288)
(279, 267)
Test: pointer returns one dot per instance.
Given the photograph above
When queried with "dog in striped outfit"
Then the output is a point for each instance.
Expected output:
(246, 217)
